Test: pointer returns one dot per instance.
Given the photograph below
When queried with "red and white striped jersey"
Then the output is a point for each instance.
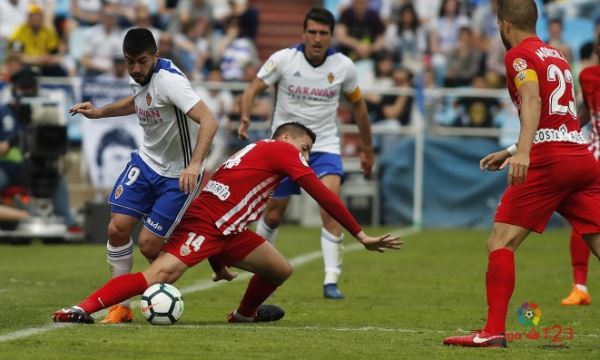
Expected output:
(589, 79)
(238, 192)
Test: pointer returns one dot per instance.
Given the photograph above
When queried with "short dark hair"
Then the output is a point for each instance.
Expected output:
(320, 15)
(522, 14)
(138, 41)
(295, 129)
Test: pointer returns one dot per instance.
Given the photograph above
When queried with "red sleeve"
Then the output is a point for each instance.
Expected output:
(330, 202)
(290, 161)
(519, 67)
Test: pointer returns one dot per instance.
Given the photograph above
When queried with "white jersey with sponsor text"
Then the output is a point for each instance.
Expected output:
(161, 105)
(310, 94)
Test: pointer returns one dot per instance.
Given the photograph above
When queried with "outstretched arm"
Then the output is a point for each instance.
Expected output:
(332, 204)
(125, 106)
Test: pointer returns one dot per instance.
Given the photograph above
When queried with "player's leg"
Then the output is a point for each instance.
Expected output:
(270, 270)
(268, 225)
(332, 239)
(580, 254)
(167, 268)
(500, 283)
(131, 199)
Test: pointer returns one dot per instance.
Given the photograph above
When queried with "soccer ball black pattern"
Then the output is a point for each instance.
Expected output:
(162, 304)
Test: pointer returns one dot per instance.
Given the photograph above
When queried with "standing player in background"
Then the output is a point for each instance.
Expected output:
(215, 227)
(589, 80)
(309, 80)
(550, 170)
(160, 180)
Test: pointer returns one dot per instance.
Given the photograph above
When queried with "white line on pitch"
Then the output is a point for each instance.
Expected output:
(199, 286)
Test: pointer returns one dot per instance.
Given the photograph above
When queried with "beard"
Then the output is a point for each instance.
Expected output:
(147, 78)
(507, 44)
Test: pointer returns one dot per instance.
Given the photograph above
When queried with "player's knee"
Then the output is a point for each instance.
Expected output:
(500, 240)
(117, 235)
(150, 246)
(272, 218)
(282, 272)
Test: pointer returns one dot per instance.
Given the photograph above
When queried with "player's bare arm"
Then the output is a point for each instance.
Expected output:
(125, 106)
(531, 104)
(367, 155)
(200, 114)
(256, 86)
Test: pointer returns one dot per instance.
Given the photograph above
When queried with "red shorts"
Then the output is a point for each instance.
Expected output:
(569, 185)
(195, 240)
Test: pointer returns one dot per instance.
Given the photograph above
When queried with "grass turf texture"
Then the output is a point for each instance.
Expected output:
(398, 305)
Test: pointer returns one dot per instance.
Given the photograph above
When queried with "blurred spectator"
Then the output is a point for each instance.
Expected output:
(555, 30)
(398, 107)
(237, 51)
(360, 31)
(195, 48)
(444, 34)
(477, 111)
(118, 73)
(13, 121)
(223, 10)
(102, 43)
(428, 12)
(485, 24)
(38, 43)
(12, 14)
(143, 19)
(406, 39)
(464, 61)
(192, 11)
(384, 70)
(167, 50)
(13, 64)
(86, 12)
(167, 10)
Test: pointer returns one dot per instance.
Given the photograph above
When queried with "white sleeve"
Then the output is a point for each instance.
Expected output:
(178, 91)
(272, 70)
(350, 83)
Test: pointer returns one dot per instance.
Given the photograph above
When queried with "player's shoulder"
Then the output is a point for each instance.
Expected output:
(165, 70)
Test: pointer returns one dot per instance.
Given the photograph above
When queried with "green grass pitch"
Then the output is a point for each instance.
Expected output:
(399, 304)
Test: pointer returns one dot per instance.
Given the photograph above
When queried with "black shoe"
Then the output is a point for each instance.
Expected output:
(268, 313)
(73, 315)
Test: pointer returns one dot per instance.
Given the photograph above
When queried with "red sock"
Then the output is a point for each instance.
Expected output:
(500, 283)
(113, 292)
(580, 256)
(257, 292)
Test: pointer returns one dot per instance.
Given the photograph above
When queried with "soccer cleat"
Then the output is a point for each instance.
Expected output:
(577, 297)
(118, 314)
(265, 313)
(478, 338)
(73, 315)
(331, 291)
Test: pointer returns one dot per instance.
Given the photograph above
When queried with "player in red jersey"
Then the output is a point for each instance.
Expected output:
(551, 169)
(215, 227)
(589, 79)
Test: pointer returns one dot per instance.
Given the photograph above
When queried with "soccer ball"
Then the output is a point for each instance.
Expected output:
(162, 304)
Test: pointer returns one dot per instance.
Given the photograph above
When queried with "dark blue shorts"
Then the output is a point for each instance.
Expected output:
(142, 193)
(322, 163)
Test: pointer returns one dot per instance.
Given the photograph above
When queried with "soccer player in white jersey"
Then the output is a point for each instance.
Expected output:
(309, 79)
(163, 176)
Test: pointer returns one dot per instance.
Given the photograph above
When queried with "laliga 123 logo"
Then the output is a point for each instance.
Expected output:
(529, 314)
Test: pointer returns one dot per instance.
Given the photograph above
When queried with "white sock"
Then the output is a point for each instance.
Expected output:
(581, 287)
(120, 260)
(333, 251)
(266, 231)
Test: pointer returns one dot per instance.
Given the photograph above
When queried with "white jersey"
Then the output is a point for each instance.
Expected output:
(161, 105)
(310, 94)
